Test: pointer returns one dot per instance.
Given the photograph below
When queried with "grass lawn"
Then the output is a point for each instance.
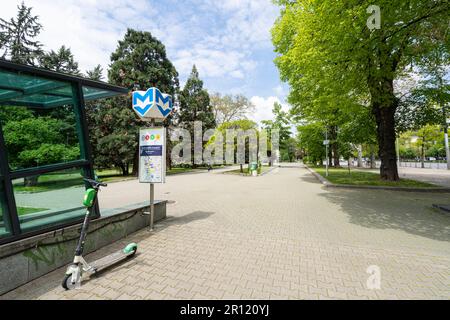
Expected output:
(73, 178)
(186, 170)
(342, 176)
(23, 211)
(51, 181)
(246, 170)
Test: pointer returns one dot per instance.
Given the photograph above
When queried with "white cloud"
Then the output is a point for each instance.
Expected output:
(264, 107)
(220, 37)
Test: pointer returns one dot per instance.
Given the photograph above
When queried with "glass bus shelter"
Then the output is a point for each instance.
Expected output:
(44, 148)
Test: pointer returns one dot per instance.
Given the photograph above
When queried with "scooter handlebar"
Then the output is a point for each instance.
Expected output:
(95, 184)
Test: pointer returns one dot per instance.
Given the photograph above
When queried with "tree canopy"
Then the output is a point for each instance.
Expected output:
(229, 108)
(331, 59)
(17, 37)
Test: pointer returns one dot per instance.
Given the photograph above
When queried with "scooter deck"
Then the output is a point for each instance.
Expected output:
(109, 260)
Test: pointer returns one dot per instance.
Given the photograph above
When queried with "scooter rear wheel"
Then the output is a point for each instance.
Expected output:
(67, 282)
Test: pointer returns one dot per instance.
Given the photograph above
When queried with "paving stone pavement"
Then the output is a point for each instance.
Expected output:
(279, 236)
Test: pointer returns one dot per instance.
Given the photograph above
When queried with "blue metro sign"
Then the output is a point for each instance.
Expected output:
(152, 104)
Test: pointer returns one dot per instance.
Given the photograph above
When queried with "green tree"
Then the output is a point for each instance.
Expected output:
(139, 62)
(229, 108)
(195, 105)
(60, 61)
(17, 37)
(242, 124)
(290, 150)
(35, 142)
(326, 51)
(281, 122)
(428, 136)
(310, 139)
(113, 135)
(95, 74)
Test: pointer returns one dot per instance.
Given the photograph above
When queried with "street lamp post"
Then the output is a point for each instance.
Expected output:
(447, 150)
(326, 148)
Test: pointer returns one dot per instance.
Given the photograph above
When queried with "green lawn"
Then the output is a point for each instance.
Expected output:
(73, 178)
(186, 170)
(23, 211)
(51, 181)
(342, 176)
(246, 170)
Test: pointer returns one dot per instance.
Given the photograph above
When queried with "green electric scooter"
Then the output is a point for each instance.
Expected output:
(79, 268)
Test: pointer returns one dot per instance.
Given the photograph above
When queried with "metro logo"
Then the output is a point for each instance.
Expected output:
(152, 104)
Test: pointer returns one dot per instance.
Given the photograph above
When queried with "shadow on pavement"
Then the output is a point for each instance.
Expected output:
(310, 179)
(409, 212)
(188, 218)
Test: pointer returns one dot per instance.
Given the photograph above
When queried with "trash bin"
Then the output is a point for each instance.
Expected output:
(254, 169)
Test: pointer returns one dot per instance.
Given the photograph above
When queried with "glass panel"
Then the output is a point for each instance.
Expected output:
(51, 199)
(90, 93)
(37, 137)
(18, 87)
(5, 229)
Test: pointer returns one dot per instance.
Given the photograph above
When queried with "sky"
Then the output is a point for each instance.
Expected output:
(228, 40)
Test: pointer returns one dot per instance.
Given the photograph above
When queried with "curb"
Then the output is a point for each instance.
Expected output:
(445, 208)
(329, 184)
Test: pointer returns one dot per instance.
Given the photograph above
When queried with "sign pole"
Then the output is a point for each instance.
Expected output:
(152, 195)
(326, 148)
(447, 149)
(150, 105)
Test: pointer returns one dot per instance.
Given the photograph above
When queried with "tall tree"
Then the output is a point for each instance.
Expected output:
(195, 105)
(327, 51)
(60, 61)
(139, 62)
(95, 74)
(17, 37)
(229, 108)
(281, 122)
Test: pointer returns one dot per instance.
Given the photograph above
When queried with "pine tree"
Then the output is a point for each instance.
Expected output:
(95, 74)
(140, 61)
(195, 105)
(60, 61)
(17, 37)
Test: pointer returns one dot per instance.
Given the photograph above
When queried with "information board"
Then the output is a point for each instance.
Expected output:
(152, 151)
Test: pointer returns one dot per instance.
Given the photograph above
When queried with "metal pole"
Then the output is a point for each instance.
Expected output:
(398, 153)
(152, 195)
(447, 150)
(152, 205)
(326, 148)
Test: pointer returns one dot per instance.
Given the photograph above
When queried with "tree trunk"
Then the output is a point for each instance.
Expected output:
(384, 115)
(124, 169)
(242, 168)
(330, 156)
(335, 147)
(136, 163)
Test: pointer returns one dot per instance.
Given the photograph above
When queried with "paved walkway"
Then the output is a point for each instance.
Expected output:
(439, 177)
(277, 236)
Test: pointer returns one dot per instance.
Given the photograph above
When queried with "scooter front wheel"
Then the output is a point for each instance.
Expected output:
(67, 282)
